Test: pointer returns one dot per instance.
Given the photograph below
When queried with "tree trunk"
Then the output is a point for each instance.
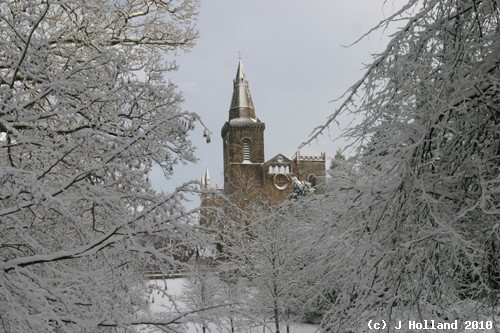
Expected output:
(276, 316)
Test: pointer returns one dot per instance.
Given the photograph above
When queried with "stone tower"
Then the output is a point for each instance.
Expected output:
(248, 178)
(243, 141)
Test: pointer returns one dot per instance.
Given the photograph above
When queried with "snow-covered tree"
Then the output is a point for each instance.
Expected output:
(235, 293)
(337, 160)
(200, 292)
(418, 233)
(85, 111)
(272, 258)
(300, 188)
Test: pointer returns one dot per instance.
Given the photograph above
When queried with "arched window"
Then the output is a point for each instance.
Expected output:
(312, 180)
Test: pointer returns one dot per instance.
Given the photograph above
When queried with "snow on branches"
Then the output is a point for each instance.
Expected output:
(417, 232)
(300, 188)
(85, 111)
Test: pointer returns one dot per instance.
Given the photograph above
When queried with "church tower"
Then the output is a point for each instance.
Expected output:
(243, 139)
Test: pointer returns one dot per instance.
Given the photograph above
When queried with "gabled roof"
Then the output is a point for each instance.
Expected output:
(280, 158)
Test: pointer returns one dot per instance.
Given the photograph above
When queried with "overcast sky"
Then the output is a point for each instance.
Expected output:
(295, 62)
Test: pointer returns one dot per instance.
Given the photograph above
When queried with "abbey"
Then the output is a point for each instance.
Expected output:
(245, 169)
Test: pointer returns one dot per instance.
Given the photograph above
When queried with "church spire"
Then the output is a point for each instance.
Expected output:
(241, 103)
(205, 180)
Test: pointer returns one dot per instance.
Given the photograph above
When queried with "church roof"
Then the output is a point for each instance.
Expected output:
(280, 158)
(241, 108)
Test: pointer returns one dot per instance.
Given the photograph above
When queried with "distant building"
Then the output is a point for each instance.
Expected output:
(246, 173)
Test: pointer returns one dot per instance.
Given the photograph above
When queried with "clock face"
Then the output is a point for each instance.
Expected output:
(280, 181)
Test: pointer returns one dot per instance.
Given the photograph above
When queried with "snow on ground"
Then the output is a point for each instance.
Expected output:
(294, 328)
(165, 303)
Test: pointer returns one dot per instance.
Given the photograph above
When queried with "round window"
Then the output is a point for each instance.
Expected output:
(280, 181)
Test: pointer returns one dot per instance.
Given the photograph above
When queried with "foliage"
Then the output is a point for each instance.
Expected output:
(300, 189)
(85, 111)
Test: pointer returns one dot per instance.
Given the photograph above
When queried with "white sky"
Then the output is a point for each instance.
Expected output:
(295, 63)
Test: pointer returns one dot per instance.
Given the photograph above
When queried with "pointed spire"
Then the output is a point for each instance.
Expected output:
(205, 180)
(241, 103)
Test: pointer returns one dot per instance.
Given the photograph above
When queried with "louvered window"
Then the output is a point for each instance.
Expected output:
(246, 152)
